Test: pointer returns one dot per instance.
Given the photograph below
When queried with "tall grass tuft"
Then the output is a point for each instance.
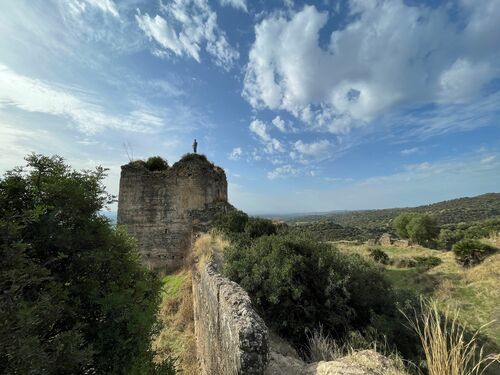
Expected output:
(448, 350)
(322, 347)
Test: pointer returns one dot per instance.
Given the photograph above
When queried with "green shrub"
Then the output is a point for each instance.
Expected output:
(447, 238)
(74, 295)
(427, 262)
(404, 262)
(257, 227)
(231, 222)
(156, 163)
(468, 253)
(296, 284)
(379, 256)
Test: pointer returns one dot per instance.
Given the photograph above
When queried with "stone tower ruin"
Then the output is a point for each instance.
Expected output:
(163, 209)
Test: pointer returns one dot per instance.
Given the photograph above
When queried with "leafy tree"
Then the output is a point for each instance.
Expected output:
(420, 228)
(468, 252)
(297, 284)
(231, 222)
(256, 227)
(74, 297)
(400, 224)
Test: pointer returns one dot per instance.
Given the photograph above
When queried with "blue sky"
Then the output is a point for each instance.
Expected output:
(309, 106)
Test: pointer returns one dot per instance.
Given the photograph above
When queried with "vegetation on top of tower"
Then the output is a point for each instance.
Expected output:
(156, 163)
(153, 164)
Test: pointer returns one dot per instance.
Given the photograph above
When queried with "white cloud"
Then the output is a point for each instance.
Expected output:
(409, 151)
(282, 172)
(76, 7)
(237, 4)
(488, 159)
(279, 123)
(236, 153)
(34, 95)
(184, 27)
(107, 6)
(272, 145)
(464, 80)
(157, 29)
(374, 64)
(314, 149)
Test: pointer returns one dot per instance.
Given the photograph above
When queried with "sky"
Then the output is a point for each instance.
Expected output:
(309, 106)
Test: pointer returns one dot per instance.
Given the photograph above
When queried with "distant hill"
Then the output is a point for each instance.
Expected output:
(459, 210)
(366, 224)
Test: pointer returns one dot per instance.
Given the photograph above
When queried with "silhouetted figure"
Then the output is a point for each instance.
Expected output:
(195, 146)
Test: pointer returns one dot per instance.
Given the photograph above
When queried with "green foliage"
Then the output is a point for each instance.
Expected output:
(156, 163)
(447, 238)
(325, 230)
(297, 283)
(420, 228)
(400, 224)
(379, 255)
(74, 297)
(423, 229)
(468, 252)
(427, 262)
(231, 222)
(404, 262)
(257, 227)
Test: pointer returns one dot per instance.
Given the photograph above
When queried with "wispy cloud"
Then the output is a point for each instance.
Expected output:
(409, 151)
(260, 129)
(106, 6)
(282, 172)
(34, 95)
(237, 4)
(183, 28)
(236, 153)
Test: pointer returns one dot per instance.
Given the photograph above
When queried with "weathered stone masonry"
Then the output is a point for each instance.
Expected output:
(162, 209)
(231, 337)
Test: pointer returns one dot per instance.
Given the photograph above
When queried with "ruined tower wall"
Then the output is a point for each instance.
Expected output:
(159, 208)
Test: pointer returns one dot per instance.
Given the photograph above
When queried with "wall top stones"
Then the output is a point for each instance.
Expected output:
(231, 337)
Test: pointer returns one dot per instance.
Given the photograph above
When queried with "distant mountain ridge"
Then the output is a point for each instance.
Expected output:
(453, 211)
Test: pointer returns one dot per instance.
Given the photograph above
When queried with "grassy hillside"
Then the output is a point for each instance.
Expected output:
(482, 207)
(370, 224)
(475, 290)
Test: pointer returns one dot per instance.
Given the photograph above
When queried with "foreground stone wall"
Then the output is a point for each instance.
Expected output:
(231, 337)
(162, 209)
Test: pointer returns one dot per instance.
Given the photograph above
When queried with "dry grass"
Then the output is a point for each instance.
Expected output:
(322, 347)
(177, 338)
(207, 245)
(447, 349)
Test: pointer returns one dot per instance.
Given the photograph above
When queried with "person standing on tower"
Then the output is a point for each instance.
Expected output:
(195, 146)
